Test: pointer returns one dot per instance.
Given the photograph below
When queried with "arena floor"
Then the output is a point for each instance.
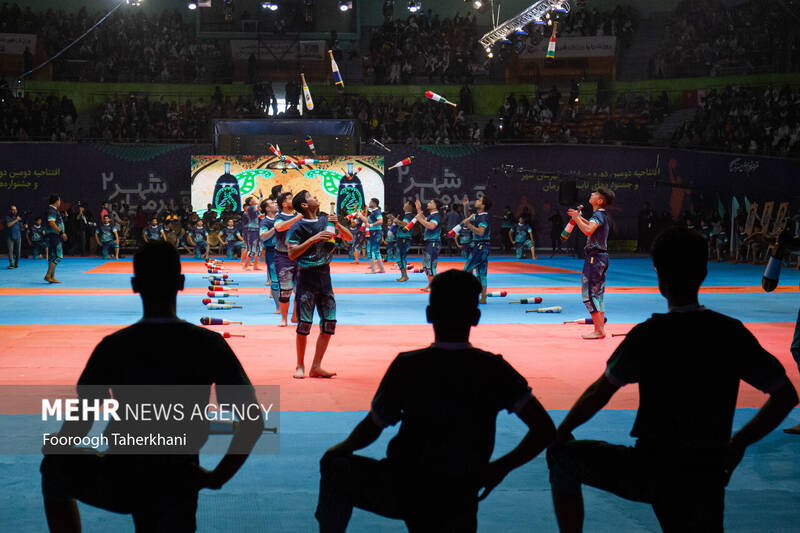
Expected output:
(48, 332)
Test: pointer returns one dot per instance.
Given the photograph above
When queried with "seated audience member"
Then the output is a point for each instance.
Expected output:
(160, 491)
(446, 398)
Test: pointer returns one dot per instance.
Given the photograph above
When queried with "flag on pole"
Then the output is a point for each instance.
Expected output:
(720, 207)
(747, 204)
(337, 77)
(307, 93)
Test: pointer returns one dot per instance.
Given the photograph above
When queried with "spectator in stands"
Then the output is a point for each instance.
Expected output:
(745, 120)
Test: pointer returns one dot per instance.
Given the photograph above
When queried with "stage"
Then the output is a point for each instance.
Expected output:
(48, 332)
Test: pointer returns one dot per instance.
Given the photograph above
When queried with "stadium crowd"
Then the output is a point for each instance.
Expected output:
(166, 47)
(439, 49)
(708, 38)
(753, 120)
(547, 117)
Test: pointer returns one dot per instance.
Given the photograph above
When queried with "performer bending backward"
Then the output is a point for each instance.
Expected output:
(593, 280)
(404, 239)
(432, 237)
(478, 260)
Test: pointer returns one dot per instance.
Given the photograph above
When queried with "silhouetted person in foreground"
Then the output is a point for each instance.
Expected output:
(688, 364)
(159, 490)
(446, 397)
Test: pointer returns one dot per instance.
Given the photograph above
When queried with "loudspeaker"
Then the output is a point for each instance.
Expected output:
(567, 192)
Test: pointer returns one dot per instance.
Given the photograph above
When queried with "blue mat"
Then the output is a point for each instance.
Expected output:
(278, 493)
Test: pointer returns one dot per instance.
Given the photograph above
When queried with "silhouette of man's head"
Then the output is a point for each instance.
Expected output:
(454, 302)
(157, 271)
(680, 256)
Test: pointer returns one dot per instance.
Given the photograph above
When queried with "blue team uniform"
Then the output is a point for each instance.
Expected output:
(285, 267)
(252, 240)
(200, 238)
(36, 234)
(593, 278)
(55, 250)
(521, 238)
(433, 243)
(107, 240)
(267, 223)
(375, 233)
(232, 242)
(314, 290)
(153, 233)
(479, 257)
(391, 241)
(403, 240)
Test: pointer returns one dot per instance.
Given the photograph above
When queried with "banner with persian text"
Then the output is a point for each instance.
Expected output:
(16, 43)
(573, 47)
(522, 177)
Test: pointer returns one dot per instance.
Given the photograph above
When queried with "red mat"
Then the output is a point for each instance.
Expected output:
(495, 267)
(557, 363)
(399, 289)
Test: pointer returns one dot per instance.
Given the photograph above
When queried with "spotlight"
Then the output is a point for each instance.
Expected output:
(271, 6)
(345, 5)
(134, 3)
(414, 5)
(191, 5)
(477, 4)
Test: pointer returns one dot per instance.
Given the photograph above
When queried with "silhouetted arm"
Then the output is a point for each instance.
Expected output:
(541, 432)
(364, 434)
(778, 406)
(591, 401)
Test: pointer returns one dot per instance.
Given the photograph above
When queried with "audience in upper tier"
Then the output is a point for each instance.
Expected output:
(549, 118)
(709, 38)
(753, 120)
(423, 45)
(130, 46)
(38, 118)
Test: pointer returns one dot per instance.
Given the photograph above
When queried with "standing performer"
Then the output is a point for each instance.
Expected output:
(285, 267)
(404, 239)
(107, 237)
(432, 237)
(478, 260)
(465, 236)
(311, 242)
(358, 240)
(595, 265)
(267, 235)
(252, 241)
(522, 237)
(374, 221)
(391, 237)
(54, 235)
